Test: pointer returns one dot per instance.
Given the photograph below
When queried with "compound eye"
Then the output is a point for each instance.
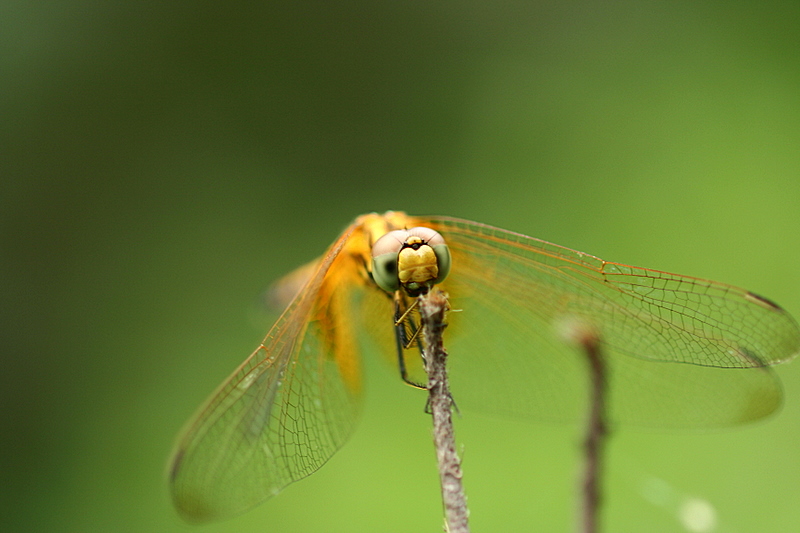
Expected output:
(385, 253)
(443, 259)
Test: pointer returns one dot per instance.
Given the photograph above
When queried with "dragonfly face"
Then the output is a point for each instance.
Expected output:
(680, 351)
(413, 260)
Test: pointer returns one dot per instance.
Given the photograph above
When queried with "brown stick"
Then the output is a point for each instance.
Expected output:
(432, 309)
(596, 432)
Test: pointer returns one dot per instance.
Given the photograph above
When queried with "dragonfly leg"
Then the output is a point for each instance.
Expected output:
(453, 404)
(401, 319)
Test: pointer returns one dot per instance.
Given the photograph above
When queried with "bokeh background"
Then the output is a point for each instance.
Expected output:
(162, 162)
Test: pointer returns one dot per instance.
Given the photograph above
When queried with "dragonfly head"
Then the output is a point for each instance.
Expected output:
(413, 259)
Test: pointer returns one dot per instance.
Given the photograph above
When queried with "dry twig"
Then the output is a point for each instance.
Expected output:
(596, 432)
(432, 308)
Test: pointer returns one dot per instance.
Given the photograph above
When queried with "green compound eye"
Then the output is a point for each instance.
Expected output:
(384, 271)
(442, 252)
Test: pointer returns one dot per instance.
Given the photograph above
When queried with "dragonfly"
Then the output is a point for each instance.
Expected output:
(681, 351)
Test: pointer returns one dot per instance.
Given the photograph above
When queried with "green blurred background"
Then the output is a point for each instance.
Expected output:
(162, 163)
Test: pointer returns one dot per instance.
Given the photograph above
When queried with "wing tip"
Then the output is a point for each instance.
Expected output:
(764, 302)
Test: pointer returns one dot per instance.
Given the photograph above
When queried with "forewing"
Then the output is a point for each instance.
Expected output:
(661, 332)
(284, 412)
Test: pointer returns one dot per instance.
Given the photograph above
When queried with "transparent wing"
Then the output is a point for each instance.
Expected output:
(682, 351)
(284, 411)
